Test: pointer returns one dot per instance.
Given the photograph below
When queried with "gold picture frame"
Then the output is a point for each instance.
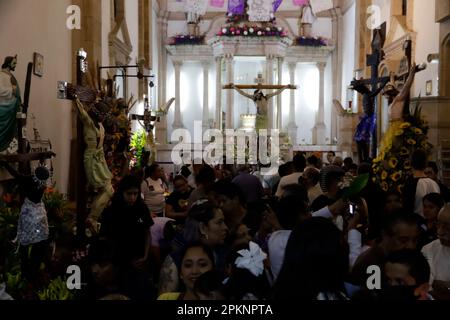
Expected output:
(429, 88)
(38, 63)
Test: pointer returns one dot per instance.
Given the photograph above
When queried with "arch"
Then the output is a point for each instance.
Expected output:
(444, 77)
(216, 25)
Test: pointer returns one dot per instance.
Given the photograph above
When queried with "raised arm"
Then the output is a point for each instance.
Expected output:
(242, 92)
(82, 113)
(380, 88)
(273, 94)
(397, 106)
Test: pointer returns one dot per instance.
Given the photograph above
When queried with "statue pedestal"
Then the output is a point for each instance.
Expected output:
(347, 124)
(248, 122)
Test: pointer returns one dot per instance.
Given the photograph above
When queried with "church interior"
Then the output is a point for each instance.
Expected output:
(225, 150)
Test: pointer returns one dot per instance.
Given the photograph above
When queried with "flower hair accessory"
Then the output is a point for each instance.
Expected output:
(252, 260)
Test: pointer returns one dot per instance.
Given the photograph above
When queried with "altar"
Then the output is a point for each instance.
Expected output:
(273, 54)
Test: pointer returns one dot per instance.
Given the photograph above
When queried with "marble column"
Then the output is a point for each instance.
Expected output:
(230, 93)
(218, 111)
(292, 126)
(161, 128)
(177, 123)
(336, 58)
(320, 128)
(280, 97)
(205, 118)
(269, 77)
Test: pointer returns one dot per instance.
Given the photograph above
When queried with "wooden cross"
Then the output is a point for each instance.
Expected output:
(23, 156)
(87, 95)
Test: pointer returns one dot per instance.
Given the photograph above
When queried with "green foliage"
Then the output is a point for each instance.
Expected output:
(357, 185)
(137, 145)
(393, 166)
(15, 284)
(56, 291)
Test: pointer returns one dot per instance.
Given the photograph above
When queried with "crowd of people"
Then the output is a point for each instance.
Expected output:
(229, 233)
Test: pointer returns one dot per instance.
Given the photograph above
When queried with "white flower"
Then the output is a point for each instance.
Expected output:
(252, 260)
(245, 33)
(230, 14)
(224, 30)
(251, 30)
(267, 29)
(280, 29)
(259, 33)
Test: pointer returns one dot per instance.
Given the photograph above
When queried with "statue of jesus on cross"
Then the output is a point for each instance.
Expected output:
(260, 99)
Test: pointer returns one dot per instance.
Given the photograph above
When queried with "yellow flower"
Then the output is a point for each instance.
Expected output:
(404, 151)
(393, 163)
(374, 180)
(407, 165)
(405, 125)
(411, 142)
(396, 176)
(384, 175)
(400, 188)
(418, 131)
(424, 144)
(398, 132)
(384, 186)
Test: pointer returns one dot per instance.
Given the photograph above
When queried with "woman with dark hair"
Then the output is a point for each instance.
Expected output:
(126, 223)
(247, 279)
(196, 259)
(432, 205)
(315, 263)
(205, 224)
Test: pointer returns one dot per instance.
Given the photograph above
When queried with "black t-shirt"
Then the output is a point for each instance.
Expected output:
(126, 227)
(321, 202)
(176, 198)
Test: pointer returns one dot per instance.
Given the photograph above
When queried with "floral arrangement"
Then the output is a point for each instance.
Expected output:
(182, 39)
(56, 291)
(137, 145)
(312, 42)
(392, 167)
(252, 31)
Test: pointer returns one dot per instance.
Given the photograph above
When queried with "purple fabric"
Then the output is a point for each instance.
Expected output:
(217, 3)
(301, 2)
(236, 6)
(276, 5)
(365, 128)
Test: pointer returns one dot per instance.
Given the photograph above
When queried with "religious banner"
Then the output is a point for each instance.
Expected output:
(217, 3)
(276, 5)
(300, 3)
(236, 7)
(196, 7)
(321, 5)
(260, 10)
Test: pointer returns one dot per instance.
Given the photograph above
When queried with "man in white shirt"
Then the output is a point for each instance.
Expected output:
(438, 256)
(153, 190)
(299, 165)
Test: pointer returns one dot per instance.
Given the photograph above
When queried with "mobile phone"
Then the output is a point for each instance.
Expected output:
(352, 209)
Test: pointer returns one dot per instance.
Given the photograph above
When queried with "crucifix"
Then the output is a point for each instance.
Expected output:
(148, 121)
(23, 156)
(259, 98)
(91, 168)
(366, 133)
